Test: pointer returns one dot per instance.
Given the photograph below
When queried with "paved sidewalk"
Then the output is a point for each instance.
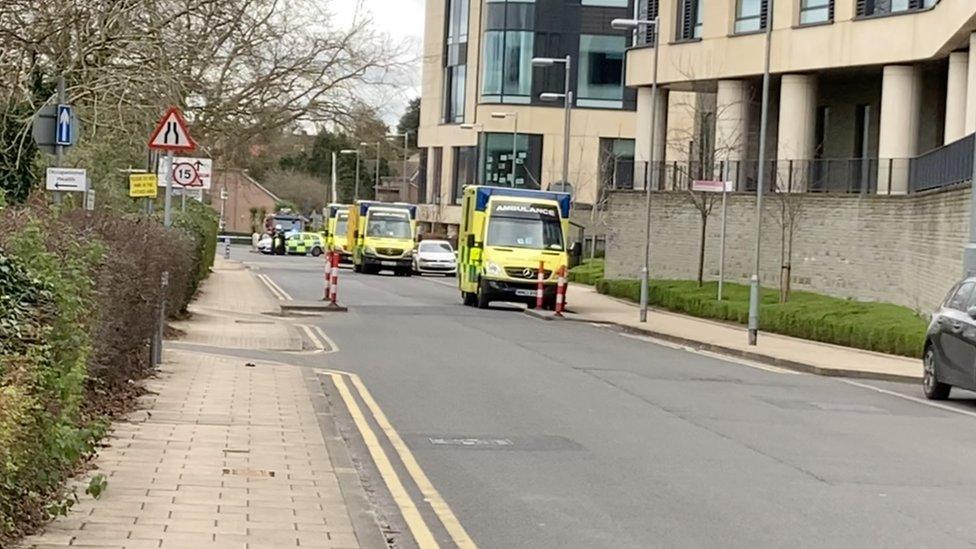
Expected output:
(821, 358)
(224, 454)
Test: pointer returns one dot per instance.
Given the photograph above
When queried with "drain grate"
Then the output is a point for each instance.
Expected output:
(251, 473)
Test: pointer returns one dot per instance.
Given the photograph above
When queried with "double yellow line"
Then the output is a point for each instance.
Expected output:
(410, 511)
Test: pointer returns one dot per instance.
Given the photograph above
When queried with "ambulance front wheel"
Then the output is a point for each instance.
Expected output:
(470, 298)
(483, 297)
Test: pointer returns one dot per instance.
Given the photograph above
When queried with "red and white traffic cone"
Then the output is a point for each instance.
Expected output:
(334, 280)
(561, 292)
(328, 276)
(540, 286)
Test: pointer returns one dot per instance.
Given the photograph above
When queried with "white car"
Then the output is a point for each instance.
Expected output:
(435, 256)
(264, 244)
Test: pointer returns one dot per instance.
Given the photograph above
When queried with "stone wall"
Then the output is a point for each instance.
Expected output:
(899, 249)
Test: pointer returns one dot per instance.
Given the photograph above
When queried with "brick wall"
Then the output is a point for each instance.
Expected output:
(899, 249)
(243, 193)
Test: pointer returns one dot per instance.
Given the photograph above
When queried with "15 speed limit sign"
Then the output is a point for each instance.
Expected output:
(185, 175)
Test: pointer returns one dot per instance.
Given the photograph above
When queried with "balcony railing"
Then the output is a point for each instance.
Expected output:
(943, 167)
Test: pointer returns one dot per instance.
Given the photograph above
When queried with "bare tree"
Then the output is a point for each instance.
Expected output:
(241, 69)
(790, 204)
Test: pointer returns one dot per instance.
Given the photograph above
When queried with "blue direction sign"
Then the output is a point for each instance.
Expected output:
(63, 125)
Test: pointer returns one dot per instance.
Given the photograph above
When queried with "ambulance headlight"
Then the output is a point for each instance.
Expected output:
(369, 251)
(493, 269)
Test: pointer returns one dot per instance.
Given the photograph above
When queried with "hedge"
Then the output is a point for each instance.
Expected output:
(79, 295)
(880, 327)
(589, 272)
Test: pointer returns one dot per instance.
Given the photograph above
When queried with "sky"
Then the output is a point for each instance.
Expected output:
(402, 20)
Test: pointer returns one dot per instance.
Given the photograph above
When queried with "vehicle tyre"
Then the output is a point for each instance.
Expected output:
(482, 295)
(357, 268)
(931, 386)
(470, 298)
(451, 275)
(408, 272)
(316, 251)
(549, 303)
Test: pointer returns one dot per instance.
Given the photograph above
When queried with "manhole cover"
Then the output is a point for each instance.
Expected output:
(246, 472)
(471, 442)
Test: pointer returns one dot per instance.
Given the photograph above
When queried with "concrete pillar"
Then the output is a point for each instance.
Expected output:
(732, 127)
(796, 145)
(900, 94)
(642, 142)
(957, 88)
(971, 88)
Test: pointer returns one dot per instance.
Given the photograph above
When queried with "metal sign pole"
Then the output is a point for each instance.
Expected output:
(721, 252)
(59, 149)
(168, 199)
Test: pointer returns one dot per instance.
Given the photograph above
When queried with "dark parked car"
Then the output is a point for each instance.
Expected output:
(950, 348)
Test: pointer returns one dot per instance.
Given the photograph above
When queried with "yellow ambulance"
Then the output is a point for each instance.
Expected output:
(505, 234)
(382, 236)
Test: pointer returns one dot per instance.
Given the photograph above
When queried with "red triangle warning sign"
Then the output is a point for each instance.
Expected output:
(171, 134)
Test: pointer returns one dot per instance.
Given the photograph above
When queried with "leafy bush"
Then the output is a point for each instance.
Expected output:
(199, 223)
(881, 327)
(589, 272)
(42, 380)
(79, 300)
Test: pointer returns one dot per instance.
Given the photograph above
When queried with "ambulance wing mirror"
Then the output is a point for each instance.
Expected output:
(470, 241)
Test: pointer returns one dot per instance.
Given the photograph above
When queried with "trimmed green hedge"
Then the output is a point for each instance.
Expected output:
(589, 272)
(79, 298)
(881, 327)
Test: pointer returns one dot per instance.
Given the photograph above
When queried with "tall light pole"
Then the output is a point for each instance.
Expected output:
(376, 174)
(514, 117)
(406, 146)
(567, 97)
(650, 174)
(355, 193)
(754, 287)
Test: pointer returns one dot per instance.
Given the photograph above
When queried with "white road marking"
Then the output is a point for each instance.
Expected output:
(909, 398)
(277, 290)
(328, 340)
(710, 354)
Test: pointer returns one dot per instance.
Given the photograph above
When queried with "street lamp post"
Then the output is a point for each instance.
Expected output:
(650, 173)
(406, 145)
(355, 193)
(514, 117)
(376, 173)
(567, 97)
(754, 287)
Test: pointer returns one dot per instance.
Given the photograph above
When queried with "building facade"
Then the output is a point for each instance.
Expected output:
(870, 96)
(482, 118)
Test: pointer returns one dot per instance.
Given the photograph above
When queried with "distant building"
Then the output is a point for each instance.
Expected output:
(247, 201)
(866, 95)
(477, 63)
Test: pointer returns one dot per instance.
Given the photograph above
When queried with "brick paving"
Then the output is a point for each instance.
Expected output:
(221, 455)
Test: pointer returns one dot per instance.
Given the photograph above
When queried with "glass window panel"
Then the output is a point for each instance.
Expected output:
(748, 15)
(610, 3)
(518, 52)
(493, 59)
(601, 67)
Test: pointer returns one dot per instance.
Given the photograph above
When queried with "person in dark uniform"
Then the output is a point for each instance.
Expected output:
(278, 241)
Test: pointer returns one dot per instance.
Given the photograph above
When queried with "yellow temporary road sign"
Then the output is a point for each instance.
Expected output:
(142, 185)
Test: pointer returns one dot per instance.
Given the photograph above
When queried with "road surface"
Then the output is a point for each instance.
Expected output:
(562, 434)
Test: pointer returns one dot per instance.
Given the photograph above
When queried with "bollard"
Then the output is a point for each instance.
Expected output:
(226, 247)
(561, 291)
(328, 276)
(334, 280)
(540, 287)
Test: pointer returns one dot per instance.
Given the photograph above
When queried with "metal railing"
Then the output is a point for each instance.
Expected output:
(828, 175)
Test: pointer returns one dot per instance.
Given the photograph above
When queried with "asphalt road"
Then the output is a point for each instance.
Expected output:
(545, 434)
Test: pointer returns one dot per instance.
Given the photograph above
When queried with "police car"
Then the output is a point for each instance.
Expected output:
(304, 244)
